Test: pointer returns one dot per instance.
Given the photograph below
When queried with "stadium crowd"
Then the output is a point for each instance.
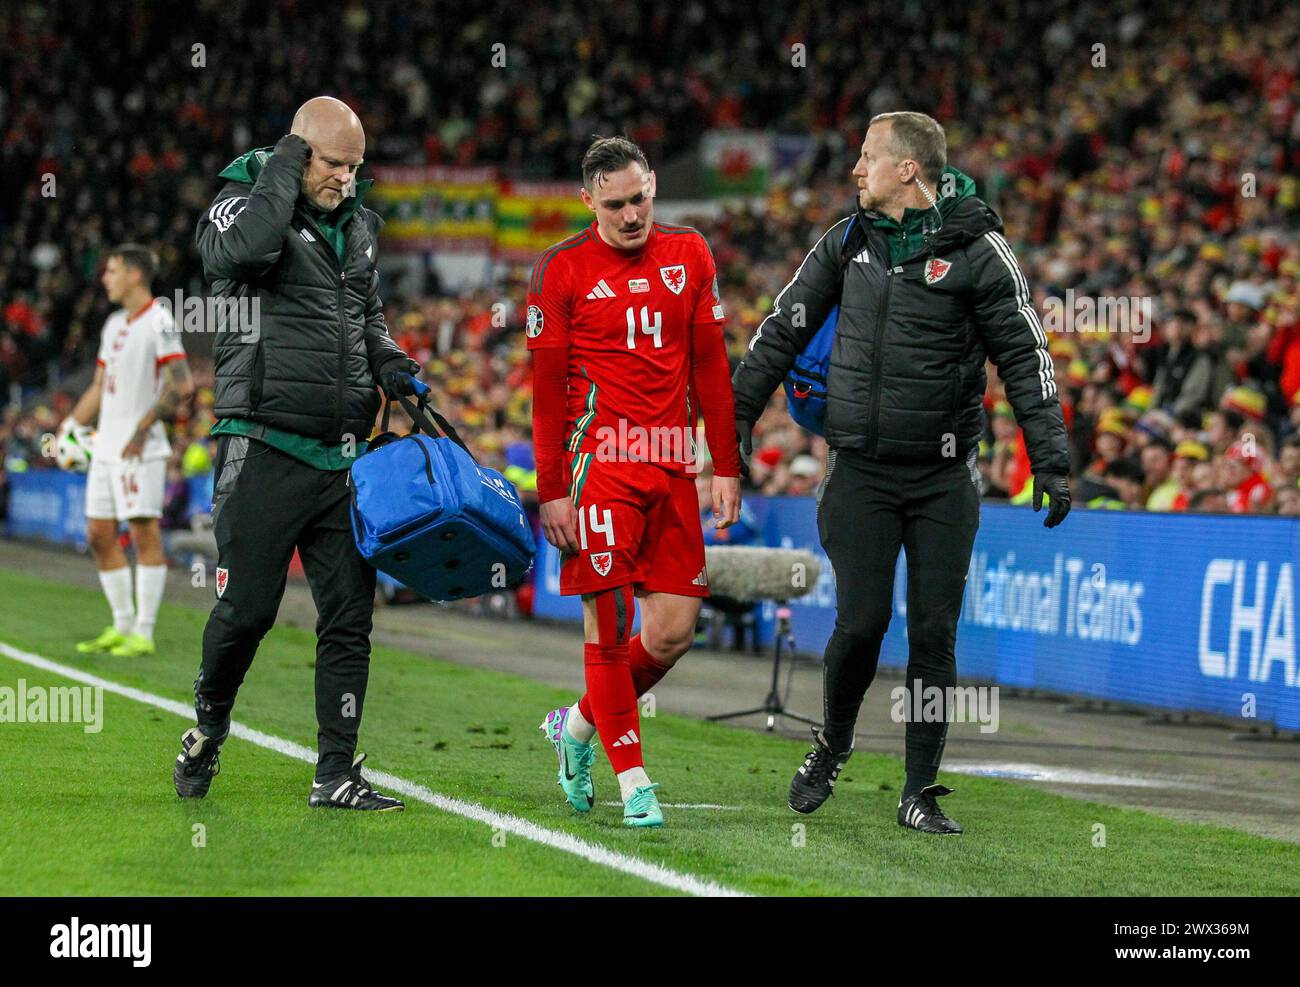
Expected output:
(1169, 173)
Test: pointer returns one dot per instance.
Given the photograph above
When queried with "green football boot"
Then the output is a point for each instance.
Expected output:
(575, 760)
(133, 646)
(106, 642)
(642, 809)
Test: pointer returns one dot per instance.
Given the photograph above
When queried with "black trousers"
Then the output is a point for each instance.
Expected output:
(265, 505)
(866, 511)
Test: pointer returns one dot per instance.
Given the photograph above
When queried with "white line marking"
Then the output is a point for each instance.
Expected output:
(593, 852)
(1067, 776)
(686, 805)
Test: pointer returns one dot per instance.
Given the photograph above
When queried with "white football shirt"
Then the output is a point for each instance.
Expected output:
(132, 351)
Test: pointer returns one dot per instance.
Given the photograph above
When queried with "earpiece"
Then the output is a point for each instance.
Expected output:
(925, 191)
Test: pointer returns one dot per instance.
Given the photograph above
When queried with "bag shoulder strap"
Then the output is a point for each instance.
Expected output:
(420, 415)
(854, 240)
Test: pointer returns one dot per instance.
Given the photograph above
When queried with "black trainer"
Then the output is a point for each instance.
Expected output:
(921, 811)
(197, 763)
(815, 780)
(351, 791)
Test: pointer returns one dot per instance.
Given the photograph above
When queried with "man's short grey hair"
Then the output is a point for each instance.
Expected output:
(916, 137)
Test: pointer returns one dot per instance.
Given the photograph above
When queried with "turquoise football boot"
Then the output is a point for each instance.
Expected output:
(575, 761)
(642, 809)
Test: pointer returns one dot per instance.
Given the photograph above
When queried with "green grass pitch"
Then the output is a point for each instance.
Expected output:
(96, 813)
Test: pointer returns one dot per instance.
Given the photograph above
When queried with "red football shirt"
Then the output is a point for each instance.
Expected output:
(629, 320)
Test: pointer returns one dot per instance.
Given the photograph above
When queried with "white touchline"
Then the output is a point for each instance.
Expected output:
(1021, 771)
(685, 805)
(594, 852)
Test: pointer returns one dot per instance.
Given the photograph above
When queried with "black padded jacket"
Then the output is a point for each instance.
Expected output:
(311, 361)
(906, 379)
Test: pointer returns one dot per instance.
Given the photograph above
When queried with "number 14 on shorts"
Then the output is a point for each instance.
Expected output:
(600, 523)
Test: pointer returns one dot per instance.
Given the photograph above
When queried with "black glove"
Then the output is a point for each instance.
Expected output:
(397, 378)
(293, 146)
(1057, 489)
(745, 438)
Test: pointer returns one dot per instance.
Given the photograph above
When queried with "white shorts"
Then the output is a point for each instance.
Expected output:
(121, 491)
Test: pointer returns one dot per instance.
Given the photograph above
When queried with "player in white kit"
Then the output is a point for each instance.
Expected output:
(141, 378)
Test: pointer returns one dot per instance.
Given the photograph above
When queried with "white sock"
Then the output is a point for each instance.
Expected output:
(117, 588)
(576, 726)
(150, 581)
(630, 780)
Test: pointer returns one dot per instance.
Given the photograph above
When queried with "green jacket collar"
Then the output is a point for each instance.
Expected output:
(916, 221)
(248, 166)
(960, 218)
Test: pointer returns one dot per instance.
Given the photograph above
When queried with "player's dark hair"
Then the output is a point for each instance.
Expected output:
(607, 155)
(140, 257)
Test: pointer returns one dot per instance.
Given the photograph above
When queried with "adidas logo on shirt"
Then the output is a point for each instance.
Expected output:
(628, 739)
(602, 290)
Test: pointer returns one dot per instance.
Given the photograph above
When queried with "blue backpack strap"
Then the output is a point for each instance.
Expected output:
(804, 406)
(848, 230)
(845, 249)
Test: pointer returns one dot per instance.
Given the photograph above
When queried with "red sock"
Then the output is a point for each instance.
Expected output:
(646, 668)
(646, 673)
(612, 700)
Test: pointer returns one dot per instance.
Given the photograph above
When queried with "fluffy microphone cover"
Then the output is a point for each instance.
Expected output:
(746, 572)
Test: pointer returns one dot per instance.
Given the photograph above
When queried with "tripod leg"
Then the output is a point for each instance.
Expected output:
(773, 704)
(787, 715)
(786, 630)
(773, 701)
(738, 713)
(774, 693)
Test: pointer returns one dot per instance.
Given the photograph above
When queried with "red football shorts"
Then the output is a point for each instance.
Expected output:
(637, 524)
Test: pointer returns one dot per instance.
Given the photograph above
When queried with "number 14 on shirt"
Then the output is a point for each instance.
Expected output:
(648, 327)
